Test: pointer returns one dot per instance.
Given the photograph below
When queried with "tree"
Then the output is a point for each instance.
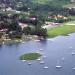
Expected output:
(72, 11)
(14, 26)
(14, 34)
(27, 30)
(22, 8)
(1, 34)
(41, 32)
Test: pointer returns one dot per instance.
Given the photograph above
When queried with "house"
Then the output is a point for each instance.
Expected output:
(8, 9)
(2, 5)
(50, 25)
(33, 18)
(72, 0)
(23, 25)
(4, 30)
(4, 35)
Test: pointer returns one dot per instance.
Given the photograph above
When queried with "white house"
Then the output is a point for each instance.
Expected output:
(23, 25)
(72, 0)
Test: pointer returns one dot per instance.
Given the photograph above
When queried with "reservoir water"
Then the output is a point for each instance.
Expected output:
(54, 49)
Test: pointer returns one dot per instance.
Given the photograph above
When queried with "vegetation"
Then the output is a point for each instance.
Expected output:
(63, 29)
(30, 56)
(34, 13)
(41, 32)
(27, 30)
(70, 5)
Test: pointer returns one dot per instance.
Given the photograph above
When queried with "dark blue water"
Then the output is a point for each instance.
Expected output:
(55, 49)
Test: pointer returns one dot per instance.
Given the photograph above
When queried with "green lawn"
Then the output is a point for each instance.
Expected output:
(53, 1)
(61, 30)
(41, 1)
(30, 56)
(72, 18)
(70, 5)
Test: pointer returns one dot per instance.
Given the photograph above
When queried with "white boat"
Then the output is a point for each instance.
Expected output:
(41, 49)
(51, 40)
(37, 40)
(39, 59)
(3, 42)
(44, 56)
(23, 60)
(73, 68)
(58, 67)
(29, 63)
(23, 42)
(46, 67)
(73, 53)
(42, 62)
(37, 52)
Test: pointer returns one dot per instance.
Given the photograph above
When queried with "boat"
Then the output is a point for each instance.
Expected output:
(73, 68)
(3, 42)
(23, 60)
(39, 59)
(44, 56)
(29, 63)
(73, 53)
(41, 49)
(42, 62)
(58, 67)
(36, 40)
(46, 67)
(23, 42)
(37, 52)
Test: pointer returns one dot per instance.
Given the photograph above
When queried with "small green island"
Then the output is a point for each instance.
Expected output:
(30, 56)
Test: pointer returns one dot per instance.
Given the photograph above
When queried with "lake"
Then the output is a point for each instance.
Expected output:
(55, 49)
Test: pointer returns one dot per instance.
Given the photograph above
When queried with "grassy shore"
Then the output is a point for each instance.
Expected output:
(63, 29)
(30, 56)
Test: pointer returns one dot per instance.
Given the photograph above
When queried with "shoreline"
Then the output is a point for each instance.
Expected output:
(17, 41)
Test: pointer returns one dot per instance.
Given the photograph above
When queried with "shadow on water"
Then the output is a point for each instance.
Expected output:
(13, 44)
(43, 42)
(0, 46)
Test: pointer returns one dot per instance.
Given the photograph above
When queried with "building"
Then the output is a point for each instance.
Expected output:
(23, 25)
(72, 0)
